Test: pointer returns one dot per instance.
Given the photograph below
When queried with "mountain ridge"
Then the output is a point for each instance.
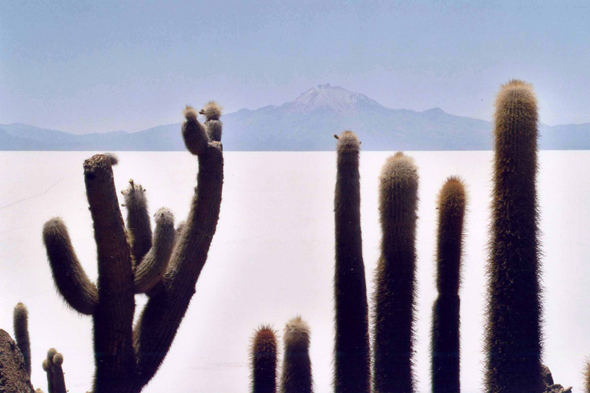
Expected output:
(306, 123)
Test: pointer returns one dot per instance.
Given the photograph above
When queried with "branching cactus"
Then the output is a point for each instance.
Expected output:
(452, 200)
(55, 374)
(352, 363)
(296, 376)
(513, 336)
(395, 281)
(21, 333)
(263, 359)
(131, 260)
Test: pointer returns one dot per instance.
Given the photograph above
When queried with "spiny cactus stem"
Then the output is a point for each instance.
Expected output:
(68, 274)
(138, 221)
(352, 355)
(113, 317)
(514, 334)
(264, 361)
(165, 310)
(152, 268)
(21, 333)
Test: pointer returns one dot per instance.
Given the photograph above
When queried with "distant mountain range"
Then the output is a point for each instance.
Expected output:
(305, 124)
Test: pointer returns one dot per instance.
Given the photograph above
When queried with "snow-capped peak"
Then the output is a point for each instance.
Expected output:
(330, 97)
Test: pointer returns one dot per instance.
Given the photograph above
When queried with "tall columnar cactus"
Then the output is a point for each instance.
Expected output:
(513, 337)
(263, 359)
(21, 334)
(352, 363)
(445, 316)
(296, 376)
(395, 281)
(55, 374)
(127, 357)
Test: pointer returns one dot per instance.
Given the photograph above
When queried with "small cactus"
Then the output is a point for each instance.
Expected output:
(264, 360)
(452, 200)
(296, 376)
(52, 365)
(21, 334)
(395, 281)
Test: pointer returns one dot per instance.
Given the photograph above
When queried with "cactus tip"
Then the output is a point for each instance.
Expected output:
(190, 113)
(212, 110)
(113, 159)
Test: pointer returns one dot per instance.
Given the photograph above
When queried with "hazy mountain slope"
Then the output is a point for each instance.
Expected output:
(307, 123)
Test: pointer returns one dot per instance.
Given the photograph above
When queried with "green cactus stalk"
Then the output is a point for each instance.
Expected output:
(445, 367)
(153, 266)
(513, 336)
(395, 279)
(68, 274)
(126, 358)
(352, 362)
(139, 227)
(55, 374)
(296, 376)
(21, 334)
(263, 359)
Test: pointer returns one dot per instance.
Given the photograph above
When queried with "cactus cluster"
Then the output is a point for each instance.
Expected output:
(296, 374)
(165, 265)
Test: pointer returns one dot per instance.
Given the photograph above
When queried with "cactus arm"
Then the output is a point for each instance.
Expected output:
(513, 333)
(21, 334)
(296, 376)
(214, 129)
(153, 266)
(113, 316)
(163, 313)
(352, 364)
(139, 226)
(395, 280)
(445, 320)
(55, 375)
(68, 274)
(263, 360)
(194, 133)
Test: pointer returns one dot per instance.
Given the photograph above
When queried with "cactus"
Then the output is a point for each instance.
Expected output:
(445, 317)
(21, 333)
(296, 376)
(352, 363)
(513, 334)
(55, 374)
(264, 360)
(126, 358)
(395, 287)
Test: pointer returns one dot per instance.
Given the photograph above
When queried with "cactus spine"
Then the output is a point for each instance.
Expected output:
(296, 376)
(21, 334)
(352, 363)
(126, 358)
(445, 317)
(513, 337)
(264, 361)
(395, 286)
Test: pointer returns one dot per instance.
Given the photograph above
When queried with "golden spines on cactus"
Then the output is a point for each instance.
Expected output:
(513, 331)
(393, 313)
(263, 359)
(445, 347)
(296, 376)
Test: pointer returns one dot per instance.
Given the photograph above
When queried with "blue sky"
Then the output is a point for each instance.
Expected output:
(96, 66)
